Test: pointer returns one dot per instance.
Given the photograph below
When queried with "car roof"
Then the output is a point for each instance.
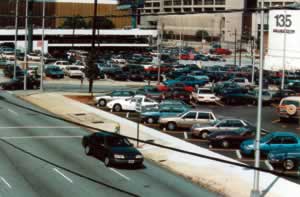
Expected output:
(199, 110)
(294, 98)
(100, 134)
(282, 133)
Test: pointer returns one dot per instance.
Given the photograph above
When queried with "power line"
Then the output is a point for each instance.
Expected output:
(277, 173)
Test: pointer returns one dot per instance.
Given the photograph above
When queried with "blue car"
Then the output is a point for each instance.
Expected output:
(54, 72)
(274, 141)
(187, 80)
(288, 159)
(153, 115)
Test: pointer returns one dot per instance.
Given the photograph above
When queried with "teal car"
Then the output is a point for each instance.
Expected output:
(54, 72)
(187, 80)
(274, 141)
(288, 159)
(152, 116)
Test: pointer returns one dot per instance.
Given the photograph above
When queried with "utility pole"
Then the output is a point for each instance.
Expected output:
(43, 46)
(159, 40)
(253, 59)
(16, 36)
(235, 47)
(255, 190)
(94, 25)
(26, 46)
(30, 25)
(240, 54)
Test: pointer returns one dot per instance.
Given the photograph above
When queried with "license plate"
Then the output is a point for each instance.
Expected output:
(131, 161)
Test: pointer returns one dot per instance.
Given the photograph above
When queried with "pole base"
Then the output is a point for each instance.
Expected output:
(255, 193)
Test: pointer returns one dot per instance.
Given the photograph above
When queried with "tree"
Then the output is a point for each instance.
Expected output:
(76, 22)
(102, 23)
(91, 70)
(201, 34)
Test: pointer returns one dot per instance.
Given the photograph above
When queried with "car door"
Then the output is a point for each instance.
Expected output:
(204, 118)
(116, 95)
(130, 104)
(187, 120)
(223, 125)
(98, 145)
(274, 144)
(289, 142)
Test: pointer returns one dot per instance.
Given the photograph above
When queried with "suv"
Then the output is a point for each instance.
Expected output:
(117, 94)
(112, 149)
(289, 108)
(187, 119)
(205, 95)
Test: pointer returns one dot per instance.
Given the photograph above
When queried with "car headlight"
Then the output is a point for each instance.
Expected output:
(116, 156)
(249, 147)
(139, 156)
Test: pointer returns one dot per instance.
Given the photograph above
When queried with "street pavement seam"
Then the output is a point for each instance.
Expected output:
(120, 174)
(6, 183)
(13, 112)
(63, 175)
(40, 137)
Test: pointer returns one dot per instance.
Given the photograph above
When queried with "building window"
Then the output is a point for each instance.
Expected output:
(168, 10)
(198, 9)
(187, 2)
(219, 2)
(197, 2)
(156, 4)
(168, 3)
(208, 2)
(177, 2)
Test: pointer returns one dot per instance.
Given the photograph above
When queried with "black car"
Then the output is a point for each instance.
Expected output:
(112, 149)
(9, 71)
(119, 76)
(136, 76)
(18, 84)
(152, 76)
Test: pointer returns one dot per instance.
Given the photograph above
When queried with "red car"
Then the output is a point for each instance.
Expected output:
(176, 86)
(184, 56)
(177, 95)
(221, 51)
(154, 68)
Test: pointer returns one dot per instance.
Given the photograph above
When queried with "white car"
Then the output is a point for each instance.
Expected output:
(9, 55)
(243, 82)
(73, 71)
(118, 60)
(62, 64)
(131, 104)
(34, 57)
(205, 95)
(117, 94)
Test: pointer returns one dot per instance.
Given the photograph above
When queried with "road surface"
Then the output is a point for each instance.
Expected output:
(59, 142)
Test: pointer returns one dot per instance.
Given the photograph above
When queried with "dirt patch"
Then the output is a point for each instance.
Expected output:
(83, 99)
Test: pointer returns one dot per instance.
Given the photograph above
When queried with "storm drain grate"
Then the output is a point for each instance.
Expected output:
(80, 114)
(97, 122)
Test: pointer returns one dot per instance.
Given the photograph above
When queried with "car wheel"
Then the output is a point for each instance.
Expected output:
(87, 150)
(150, 120)
(171, 126)
(102, 103)
(225, 144)
(107, 161)
(289, 164)
(117, 108)
(204, 134)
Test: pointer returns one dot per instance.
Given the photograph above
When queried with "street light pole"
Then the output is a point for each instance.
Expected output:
(235, 47)
(255, 190)
(43, 46)
(159, 39)
(284, 56)
(16, 36)
(26, 46)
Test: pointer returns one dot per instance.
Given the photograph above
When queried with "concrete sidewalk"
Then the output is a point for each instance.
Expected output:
(226, 179)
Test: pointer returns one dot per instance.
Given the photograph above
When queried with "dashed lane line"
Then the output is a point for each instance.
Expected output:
(6, 183)
(120, 174)
(62, 174)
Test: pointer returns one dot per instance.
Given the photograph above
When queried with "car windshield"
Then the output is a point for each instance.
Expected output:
(266, 138)
(73, 68)
(290, 102)
(118, 142)
(55, 68)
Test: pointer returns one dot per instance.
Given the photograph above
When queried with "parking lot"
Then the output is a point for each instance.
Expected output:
(270, 122)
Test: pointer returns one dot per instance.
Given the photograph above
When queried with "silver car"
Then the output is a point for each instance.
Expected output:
(187, 119)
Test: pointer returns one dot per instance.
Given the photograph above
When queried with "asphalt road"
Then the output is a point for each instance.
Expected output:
(60, 143)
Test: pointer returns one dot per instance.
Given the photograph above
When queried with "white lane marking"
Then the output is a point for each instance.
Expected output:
(39, 137)
(120, 174)
(267, 163)
(6, 183)
(60, 173)
(185, 135)
(38, 127)
(238, 154)
(13, 112)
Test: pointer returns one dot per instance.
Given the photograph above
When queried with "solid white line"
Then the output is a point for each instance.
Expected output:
(59, 172)
(38, 127)
(39, 137)
(185, 135)
(238, 154)
(267, 163)
(120, 174)
(6, 183)
(13, 112)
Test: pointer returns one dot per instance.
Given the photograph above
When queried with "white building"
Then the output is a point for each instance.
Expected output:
(222, 25)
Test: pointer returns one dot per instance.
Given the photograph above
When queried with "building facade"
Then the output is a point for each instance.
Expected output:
(222, 25)
(58, 10)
